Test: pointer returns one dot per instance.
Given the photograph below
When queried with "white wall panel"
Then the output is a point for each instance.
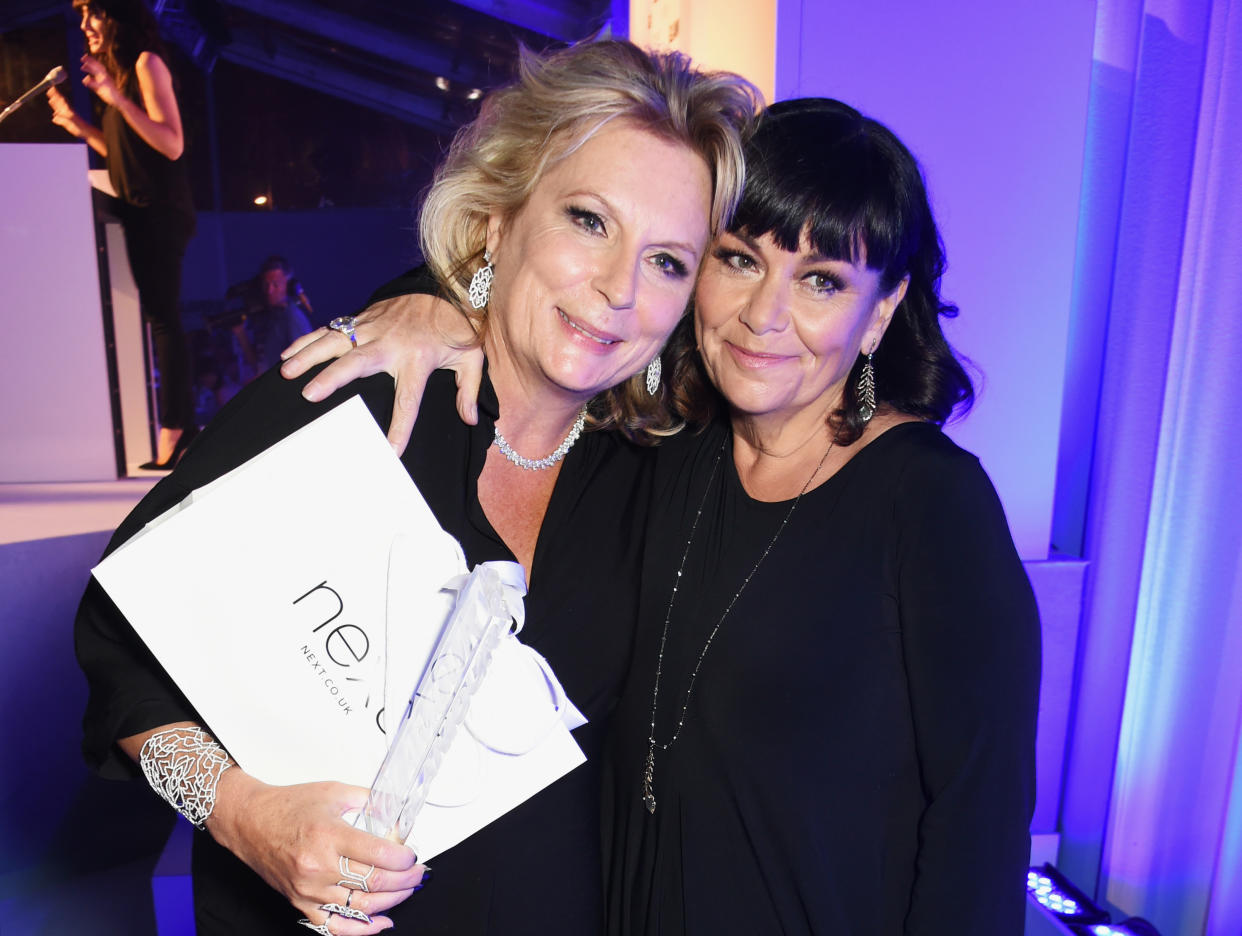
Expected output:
(55, 415)
(992, 99)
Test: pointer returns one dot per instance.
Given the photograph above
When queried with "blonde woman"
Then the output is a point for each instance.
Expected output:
(579, 205)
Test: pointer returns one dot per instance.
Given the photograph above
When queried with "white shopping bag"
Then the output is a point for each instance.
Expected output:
(266, 597)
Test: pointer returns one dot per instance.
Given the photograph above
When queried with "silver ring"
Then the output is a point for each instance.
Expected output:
(320, 928)
(345, 910)
(351, 879)
(345, 325)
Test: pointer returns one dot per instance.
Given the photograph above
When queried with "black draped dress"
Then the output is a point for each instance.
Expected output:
(535, 870)
(857, 757)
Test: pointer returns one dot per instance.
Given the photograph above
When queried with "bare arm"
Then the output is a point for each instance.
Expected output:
(157, 119)
(65, 116)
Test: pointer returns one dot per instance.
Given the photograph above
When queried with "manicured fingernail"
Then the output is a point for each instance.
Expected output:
(312, 392)
(427, 873)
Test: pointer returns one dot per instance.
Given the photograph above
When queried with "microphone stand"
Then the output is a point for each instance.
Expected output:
(54, 77)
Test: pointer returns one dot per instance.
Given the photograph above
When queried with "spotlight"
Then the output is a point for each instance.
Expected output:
(1072, 911)
(475, 94)
(260, 200)
(1052, 891)
(1050, 896)
(1134, 926)
(442, 83)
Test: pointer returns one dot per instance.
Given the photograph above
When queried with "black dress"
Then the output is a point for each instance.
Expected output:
(535, 870)
(858, 752)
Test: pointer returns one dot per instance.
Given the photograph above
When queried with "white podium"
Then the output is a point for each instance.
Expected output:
(56, 406)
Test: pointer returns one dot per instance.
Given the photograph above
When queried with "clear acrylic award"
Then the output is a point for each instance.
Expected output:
(480, 618)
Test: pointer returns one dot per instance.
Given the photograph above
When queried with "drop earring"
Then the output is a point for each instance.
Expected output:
(654, 370)
(481, 283)
(866, 389)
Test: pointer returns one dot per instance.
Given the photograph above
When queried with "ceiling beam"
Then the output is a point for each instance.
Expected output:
(348, 30)
(18, 13)
(281, 59)
(547, 19)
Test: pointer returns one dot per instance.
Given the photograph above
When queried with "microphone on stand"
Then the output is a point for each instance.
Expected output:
(54, 77)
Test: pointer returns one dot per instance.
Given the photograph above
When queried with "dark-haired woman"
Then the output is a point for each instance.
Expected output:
(829, 723)
(142, 142)
(830, 717)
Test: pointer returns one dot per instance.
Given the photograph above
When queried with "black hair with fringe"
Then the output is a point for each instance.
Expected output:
(819, 167)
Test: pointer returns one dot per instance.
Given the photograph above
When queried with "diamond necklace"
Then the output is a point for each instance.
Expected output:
(649, 768)
(538, 464)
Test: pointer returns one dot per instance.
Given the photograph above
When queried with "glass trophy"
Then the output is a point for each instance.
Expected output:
(456, 667)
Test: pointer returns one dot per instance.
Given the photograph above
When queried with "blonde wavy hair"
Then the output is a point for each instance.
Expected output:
(558, 102)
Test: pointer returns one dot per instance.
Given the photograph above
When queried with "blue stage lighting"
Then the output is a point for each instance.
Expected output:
(1053, 891)
(1131, 927)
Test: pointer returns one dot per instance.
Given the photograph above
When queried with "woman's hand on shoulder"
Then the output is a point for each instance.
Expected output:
(406, 336)
(295, 838)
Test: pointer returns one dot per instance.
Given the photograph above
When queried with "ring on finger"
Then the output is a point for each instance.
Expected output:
(345, 325)
(345, 910)
(351, 879)
(320, 928)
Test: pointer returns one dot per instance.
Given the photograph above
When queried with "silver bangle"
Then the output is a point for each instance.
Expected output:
(183, 765)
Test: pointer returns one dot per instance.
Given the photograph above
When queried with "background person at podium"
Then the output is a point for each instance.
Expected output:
(140, 138)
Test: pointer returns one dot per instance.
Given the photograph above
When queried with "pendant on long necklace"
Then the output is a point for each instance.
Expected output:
(648, 778)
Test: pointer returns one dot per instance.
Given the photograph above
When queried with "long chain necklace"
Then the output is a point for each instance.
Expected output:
(649, 768)
(538, 464)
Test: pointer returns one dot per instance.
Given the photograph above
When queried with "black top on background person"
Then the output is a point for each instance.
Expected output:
(141, 175)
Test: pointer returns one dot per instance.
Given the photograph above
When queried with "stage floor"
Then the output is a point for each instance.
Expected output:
(67, 508)
(66, 831)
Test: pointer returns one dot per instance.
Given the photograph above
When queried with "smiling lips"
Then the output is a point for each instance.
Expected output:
(754, 359)
(603, 339)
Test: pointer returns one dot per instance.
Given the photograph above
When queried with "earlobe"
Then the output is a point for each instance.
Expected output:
(899, 293)
(887, 307)
(495, 226)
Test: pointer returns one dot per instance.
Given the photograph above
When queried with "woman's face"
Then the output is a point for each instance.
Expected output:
(595, 270)
(96, 27)
(779, 330)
